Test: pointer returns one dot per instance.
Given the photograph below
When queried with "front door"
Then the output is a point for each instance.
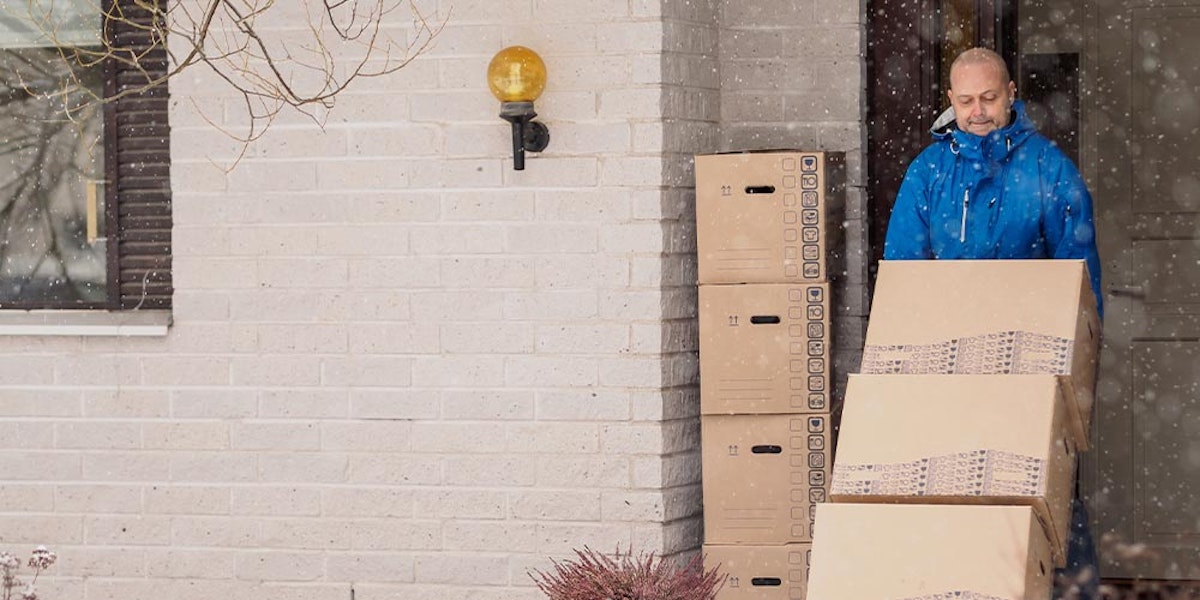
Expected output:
(1141, 157)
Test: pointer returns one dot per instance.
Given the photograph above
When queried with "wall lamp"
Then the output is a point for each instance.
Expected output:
(517, 77)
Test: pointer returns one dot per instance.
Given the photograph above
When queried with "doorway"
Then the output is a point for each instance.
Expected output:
(1116, 84)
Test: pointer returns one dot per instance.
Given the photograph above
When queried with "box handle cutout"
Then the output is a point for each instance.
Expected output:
(1042, 568)
(1070, 448)
(765, 320)
(760, 189)
(766, 581)
(766, 449)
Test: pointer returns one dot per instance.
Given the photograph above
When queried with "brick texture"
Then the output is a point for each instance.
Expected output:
(396, 364)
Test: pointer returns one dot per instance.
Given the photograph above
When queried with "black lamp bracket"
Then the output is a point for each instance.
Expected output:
(527, 134)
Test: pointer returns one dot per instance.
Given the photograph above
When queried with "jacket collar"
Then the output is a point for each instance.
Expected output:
(995, 145)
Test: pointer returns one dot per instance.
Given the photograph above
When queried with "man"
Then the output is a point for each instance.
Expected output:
(991, 187)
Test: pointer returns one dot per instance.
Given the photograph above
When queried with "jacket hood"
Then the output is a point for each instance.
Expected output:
(995, 145)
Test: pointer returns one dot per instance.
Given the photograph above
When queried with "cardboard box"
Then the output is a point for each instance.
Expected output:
(762, 475)
(960, 439)
(764, 348)
(988, 316)
(924, 551)
(768, 217)
(761, 572)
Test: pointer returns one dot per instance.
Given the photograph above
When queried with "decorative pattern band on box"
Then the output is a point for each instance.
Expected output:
(1005, 352)
(956, 595)
(972, 473)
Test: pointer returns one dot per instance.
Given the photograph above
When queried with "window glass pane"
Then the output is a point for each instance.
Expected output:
(52, 244)
(26, 23)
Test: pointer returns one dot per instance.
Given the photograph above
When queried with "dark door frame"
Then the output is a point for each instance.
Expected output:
(905, 91)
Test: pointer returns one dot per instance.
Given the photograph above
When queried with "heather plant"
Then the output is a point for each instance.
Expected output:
(11, 586)
(596, 576)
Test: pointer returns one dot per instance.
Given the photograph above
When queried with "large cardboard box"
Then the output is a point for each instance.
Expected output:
(988, 316)
(762, 476)
(768, 217)
(760, 572)
(929, 551)
(764, 348)
(960, 439)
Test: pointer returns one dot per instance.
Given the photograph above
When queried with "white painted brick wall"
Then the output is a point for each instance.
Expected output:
(395, 362)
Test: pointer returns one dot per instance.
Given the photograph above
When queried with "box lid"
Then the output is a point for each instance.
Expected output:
(930, 301)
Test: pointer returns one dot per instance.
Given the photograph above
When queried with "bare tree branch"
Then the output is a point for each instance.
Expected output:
(246, 43)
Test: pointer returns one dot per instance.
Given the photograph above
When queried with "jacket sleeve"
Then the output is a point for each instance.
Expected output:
(908, 228)
(1068, 226)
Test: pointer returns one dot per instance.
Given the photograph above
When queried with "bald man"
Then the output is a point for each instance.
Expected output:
(991, 187)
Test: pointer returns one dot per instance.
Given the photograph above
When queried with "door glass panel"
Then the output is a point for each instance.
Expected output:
(959, 33)
(1048, 69)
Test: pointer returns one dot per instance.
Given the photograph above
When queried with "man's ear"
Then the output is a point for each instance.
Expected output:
(1012, 92)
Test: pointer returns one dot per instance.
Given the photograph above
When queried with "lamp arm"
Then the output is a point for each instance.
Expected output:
(527, 134)
(518, 141)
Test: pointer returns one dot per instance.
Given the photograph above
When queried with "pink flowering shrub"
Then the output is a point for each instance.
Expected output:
(596, 576)
(12, 587)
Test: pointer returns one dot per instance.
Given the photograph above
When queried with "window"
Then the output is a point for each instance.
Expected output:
(85, 202)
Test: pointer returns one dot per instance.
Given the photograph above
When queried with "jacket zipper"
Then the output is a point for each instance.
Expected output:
(962, 230)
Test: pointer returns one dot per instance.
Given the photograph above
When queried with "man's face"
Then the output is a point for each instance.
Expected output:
(980, 97)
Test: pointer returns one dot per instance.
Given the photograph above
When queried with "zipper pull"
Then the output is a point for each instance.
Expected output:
(962, 230)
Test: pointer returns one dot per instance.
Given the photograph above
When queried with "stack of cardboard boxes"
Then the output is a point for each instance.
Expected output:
(957, 449)
(764, 231)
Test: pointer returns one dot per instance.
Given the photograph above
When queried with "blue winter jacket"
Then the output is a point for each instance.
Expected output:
(1011, 194)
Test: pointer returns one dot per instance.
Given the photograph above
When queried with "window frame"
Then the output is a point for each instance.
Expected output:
(137, 190)
(140, 200)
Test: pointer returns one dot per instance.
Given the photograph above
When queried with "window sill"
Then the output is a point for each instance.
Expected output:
(151, 323)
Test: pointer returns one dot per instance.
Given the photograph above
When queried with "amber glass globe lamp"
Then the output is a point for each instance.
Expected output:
(517, 77)
(517, 74)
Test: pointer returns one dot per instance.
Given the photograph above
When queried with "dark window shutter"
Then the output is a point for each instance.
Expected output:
(138, 148)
